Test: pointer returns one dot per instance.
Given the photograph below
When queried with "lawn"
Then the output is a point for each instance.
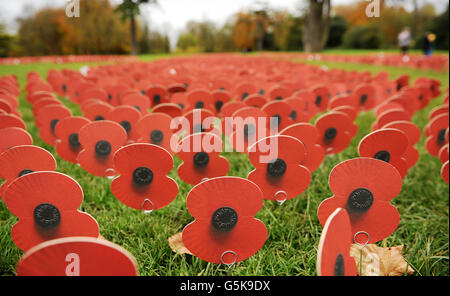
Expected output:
(294, 229)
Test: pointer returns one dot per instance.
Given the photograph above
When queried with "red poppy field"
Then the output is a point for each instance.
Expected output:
(362, 149)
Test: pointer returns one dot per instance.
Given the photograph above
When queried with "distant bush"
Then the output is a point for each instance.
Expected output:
(363, 37)
(337, 28)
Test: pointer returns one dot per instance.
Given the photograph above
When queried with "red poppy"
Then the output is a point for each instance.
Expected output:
(322, 97)
(67, 133)
(10, 120)
(437, 129)
(127, 117)
(249, 130)
(5, 106)
(308, 135)
(13, 136)
(255, 100)
(34, 97)
(413, 133)
(44, 102)
(220, 98)
(154, 128)
(344, 100)
(387, 106)
(197, 123)
(439, 110)
(176, 88)
(157, 95)
(309, 107)
(444, 154)
(46, 204)
(229, 108)
(279, 93)
(279, 114)
(445, 171)
(402, 81)
(143, 183)
(100, 140)
(389, 145)
(225, 229)
(299, 110)
(333, 256)
(93, 93)
(365, 95)
(97, 111)
(201, 99)
(201, 158)
(334, 131)
(77, 256)
(11, 99)
(392, 115)
(364, 187)
(171, 109)
(47, 119)
(21, 160)
(406, 101)
(281, 177)
(243, 90)
(138, 101)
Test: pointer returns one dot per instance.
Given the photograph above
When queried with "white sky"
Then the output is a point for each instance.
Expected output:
(172, 15)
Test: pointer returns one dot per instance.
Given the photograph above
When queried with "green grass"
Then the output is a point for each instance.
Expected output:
(294, 229)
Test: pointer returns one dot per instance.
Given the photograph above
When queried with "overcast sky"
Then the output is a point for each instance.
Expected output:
(172, 15)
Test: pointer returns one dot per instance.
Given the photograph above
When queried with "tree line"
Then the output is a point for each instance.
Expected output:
(107, 29)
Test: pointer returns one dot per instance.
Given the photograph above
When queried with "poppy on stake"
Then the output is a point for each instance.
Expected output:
(364, 187)
(77, 256)
(143, 183)
(225, 230)
(46, 204)
(333, 257)
(100, 140)
(282, 177)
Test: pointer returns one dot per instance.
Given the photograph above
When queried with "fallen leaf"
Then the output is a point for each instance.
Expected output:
(378, 261)
(176, 244)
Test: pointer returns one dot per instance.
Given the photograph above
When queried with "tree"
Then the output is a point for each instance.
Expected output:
(5, 42)
(243, 36)
(338, 27)
(295, 37)
(316, 25)
(187, 41)
(130, 10)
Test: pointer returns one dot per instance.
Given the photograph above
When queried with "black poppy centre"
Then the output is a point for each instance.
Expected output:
(47, 216)
(126, 126)
(103, 148)
(276, 168)
(142, 176)
(53, 125)
(360, 200)
(156, 137)
(224, 219)
(201, 159)
(383, 155)
(339, 268)
(330, 134)
(74, 141)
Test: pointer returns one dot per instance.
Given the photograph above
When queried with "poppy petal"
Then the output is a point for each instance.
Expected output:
(81, 256)
(333, 258)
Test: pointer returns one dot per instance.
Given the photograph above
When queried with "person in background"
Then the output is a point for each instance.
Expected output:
(404, 40)
(428, 43)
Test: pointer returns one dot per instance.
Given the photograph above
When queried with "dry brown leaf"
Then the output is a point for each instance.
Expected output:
(378, 261)
(176, 244)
